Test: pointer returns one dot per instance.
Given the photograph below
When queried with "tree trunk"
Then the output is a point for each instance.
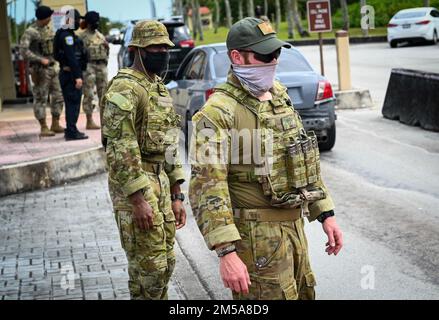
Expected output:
(426, 3)
(266, 8)
(344, 9)
(250, 8)
(289, 13)
(364, 31)
(278, 16)
(240, 10)
(296, 16)
(217, 16)
(228, 13)
(194, 20)
(199, 22)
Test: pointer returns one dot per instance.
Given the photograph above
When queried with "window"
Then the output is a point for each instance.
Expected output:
(434, 13)
(195, 69)
(410, 15)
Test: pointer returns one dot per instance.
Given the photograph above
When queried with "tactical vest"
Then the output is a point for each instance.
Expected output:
(44, 43)
(289, 177)
(160, 124)
(97, 51)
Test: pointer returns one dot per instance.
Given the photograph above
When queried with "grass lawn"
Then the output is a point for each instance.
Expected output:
(211, 37)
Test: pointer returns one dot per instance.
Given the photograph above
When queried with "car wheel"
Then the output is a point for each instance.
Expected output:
(330, 141)
(434, 41)
(393, 44)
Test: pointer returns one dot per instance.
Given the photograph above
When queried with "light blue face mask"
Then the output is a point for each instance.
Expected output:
(256, 78)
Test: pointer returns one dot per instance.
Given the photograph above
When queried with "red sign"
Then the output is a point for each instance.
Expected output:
(319, 16)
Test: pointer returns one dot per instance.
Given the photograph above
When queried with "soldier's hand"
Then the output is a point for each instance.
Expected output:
(335, 236)
(142, 211)
(234, 273)
(179, 213)
(45, 62)
(78, 83)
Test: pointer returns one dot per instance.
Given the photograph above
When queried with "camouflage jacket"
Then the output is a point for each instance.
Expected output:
(96, 45)
(212, 193)
(37, 43)
(139, 124)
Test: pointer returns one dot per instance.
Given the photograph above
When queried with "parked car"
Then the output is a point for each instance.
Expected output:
(413, 25)
(207, 66)
(179, 34)
(114, 36)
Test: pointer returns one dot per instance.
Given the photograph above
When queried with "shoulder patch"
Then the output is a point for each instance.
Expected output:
(119, 100)
(69, 40)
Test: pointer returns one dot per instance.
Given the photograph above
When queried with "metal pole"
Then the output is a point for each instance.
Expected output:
(322, 68)
(25, 14)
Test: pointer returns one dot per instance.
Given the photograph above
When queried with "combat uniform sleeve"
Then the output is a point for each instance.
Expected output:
(25, 50)
(123, 153)
(208, 190)
(175, 171)
(318, 207)
(68, 45)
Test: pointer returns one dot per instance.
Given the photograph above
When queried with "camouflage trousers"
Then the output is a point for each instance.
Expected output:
(46, 88)
(276, 256)
(95, 75)
(150, 254)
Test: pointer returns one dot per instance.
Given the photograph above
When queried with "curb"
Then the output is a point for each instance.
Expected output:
(353, 99)
(50, 172)
(354, 40)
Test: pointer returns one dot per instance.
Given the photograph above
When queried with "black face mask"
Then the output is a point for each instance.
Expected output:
(77, 24)
(155, 62)
(94, 26)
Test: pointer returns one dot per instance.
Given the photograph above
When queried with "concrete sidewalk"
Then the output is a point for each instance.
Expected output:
(29, 162)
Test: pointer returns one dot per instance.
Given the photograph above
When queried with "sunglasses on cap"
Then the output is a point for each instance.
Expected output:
(266, 58)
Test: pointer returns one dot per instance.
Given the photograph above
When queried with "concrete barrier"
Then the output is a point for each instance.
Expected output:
(412, 97)
(353, 99)
(51, 172)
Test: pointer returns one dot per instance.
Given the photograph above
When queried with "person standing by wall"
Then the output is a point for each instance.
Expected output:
(96, 74)
(36, 46)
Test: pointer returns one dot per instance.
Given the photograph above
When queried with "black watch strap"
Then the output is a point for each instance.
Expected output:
(325, 215)
(177, 196)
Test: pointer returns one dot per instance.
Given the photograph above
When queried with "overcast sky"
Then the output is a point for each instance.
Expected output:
(116, 10)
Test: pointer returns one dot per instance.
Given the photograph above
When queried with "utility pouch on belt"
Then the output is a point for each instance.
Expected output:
(35, 75)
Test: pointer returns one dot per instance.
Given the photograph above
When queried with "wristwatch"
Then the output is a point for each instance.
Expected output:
(221, 252)
(325, 215)
(177, 196)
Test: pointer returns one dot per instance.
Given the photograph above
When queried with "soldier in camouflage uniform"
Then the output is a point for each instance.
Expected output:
(251, 208)
(140, 131)
(96, 73)
(36, 46)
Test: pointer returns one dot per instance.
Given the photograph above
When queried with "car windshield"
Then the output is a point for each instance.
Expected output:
(177, 34)
(289, 61)
(410, 15)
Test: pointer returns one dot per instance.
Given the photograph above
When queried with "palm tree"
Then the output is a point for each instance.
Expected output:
(240, 10)
(297, 21)
(217, 16)
(199, 23)
(289, 14)
(250, 8)
(278, 17)
(344, 9)
(228, 13)
(426, 3)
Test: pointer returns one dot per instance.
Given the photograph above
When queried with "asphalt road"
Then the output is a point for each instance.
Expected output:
(371, 64)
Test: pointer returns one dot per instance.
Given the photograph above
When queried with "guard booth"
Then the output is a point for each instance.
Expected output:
(7, 79)
(7, 74)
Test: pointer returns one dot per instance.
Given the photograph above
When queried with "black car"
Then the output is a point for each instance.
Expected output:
(178, 33)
